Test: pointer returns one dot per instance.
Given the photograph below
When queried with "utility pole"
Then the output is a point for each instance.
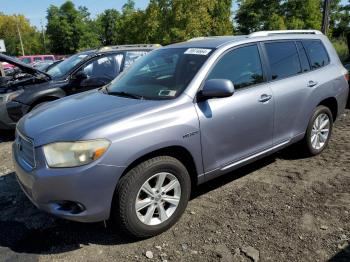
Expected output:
(325, 18)
(19, 35)
(43, 33)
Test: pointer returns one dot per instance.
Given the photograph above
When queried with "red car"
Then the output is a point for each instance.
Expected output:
(30, 59)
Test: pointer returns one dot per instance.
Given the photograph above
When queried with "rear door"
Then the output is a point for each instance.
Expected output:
(239, 126)
(288, 70)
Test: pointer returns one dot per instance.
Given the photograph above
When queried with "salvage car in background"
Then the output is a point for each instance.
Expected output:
(347, 66)
(46, 65)
(31, 59)
(81, 72)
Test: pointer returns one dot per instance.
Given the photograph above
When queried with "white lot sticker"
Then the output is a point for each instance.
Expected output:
(167, 93)
(197, 51)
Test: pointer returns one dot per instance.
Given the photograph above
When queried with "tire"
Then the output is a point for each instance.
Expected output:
(128, 193)
(311, 136)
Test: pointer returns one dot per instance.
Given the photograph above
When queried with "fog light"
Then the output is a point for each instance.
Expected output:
(70, 206)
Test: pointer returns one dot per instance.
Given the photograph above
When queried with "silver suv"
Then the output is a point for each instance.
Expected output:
(182, 115)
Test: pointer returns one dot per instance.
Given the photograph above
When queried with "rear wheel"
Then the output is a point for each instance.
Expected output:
(151, 197)
(319, 131)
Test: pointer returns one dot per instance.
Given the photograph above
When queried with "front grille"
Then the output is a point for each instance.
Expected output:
(25, 149)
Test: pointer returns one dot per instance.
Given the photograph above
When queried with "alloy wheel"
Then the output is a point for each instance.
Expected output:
(320, 131)
(158, 198)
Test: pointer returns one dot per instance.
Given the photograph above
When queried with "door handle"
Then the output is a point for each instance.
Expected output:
(312, 83)
(265, 98)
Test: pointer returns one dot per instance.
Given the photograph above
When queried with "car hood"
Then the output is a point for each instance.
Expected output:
(76, 117)
(24, 67)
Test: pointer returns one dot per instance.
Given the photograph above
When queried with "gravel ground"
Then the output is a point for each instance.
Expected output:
(283, 208)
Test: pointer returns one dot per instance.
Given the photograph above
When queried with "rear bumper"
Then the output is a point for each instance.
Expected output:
(91, 186)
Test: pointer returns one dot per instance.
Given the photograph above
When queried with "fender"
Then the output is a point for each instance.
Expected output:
(38, 92)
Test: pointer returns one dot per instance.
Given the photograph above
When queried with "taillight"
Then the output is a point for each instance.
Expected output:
(346, 77)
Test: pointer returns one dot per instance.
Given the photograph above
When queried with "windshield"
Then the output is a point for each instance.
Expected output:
(162, 74)
(65, 66)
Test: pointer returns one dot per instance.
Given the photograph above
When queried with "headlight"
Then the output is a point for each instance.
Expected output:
(4, 98)
(72, 154)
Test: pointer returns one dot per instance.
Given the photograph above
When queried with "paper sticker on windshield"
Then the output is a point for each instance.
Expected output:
(167, 93)
(197, 51)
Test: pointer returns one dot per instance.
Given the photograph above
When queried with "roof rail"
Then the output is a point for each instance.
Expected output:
(284, 32)
(207, 37)
(107, 48)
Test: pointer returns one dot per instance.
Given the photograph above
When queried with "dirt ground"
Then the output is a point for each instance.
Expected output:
(283, 208)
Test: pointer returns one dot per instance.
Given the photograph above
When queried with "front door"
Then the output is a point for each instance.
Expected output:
(96, 73)
(239, 126)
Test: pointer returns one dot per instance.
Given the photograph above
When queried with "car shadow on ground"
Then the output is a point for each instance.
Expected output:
(342, 256)
(6, 135)
(25, 229)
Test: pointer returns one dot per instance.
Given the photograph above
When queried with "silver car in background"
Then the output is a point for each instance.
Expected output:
(180, 116)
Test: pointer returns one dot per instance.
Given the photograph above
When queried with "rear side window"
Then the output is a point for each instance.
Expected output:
(132, 56)
(242, 66)
(48, 58)
(37, 59)
(283, 59)
(303, 58)
(317, 53)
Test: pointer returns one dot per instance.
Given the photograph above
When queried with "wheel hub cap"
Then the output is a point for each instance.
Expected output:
(158, 198)
(320, 131)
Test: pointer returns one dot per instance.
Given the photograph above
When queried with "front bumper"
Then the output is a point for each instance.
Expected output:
(92, 186)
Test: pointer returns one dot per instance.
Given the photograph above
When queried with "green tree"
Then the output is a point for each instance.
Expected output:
(70, 29)
(31, 38)
(221, 14)
(303, 14)
(108, 26)
(256, 15)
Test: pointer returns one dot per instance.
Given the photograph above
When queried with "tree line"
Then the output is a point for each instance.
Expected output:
(70, 28)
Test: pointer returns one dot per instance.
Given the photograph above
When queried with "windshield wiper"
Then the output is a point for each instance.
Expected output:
(126, 94)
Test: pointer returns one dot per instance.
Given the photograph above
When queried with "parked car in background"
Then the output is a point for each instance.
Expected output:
(7, 66)
(347, 66)
(78, 73)
(186, 113)
(31, 59)
(46, 65)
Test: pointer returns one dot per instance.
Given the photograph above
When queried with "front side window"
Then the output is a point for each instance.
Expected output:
(283, 59)
(37, 59)
(162, 74)
(242, 66)
(317, 53)
(104, 67)
(48, 58)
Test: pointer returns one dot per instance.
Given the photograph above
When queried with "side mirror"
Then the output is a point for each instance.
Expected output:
(216, 88)
(81, 75)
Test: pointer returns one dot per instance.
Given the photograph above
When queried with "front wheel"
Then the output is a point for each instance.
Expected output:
(151, 197)
(319, 131)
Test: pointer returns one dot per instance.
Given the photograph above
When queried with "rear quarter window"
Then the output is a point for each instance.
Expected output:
(317, 53)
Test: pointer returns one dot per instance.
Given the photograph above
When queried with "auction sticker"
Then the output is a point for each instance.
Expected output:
(197, 51)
